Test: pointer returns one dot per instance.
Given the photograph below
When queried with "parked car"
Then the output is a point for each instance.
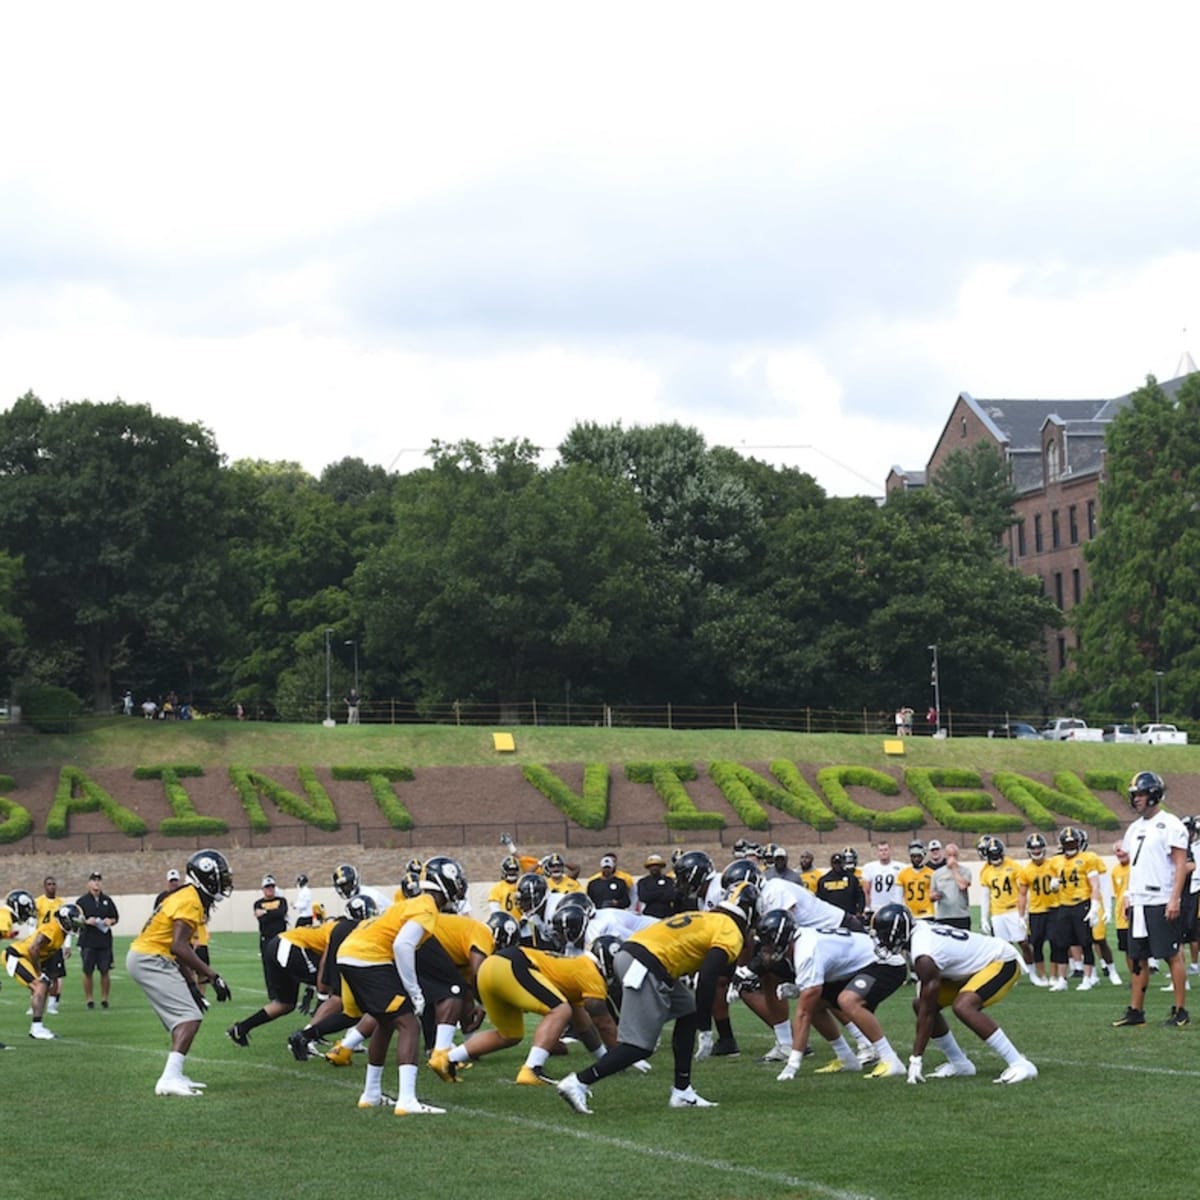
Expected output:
(1016, 729)
(1120, 733)
(1071, 729)
(1163, 735)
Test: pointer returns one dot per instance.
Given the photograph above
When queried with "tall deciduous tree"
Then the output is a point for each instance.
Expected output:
(978, 484)
(118, 515)
(1142, 613)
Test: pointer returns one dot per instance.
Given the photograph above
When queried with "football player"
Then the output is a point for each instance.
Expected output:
(881, 878)
(998, 913)
(1037, 903)
(1099, 927)
(503, 896)
(554, 867)
(1079, 907)
(652, 965)
(165, 966)
(26, 958)
(377, 961)
(915, 882)
(55, 966)
(955, 969)
(564, 990)
(809, 872)
(836, 974)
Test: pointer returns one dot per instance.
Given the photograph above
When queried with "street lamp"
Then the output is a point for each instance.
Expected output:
(329, 721)
(937, 689)
(1157, 676)
(352, 642)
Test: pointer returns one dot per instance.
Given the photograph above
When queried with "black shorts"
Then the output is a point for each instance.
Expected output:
(377, 990)
(1039, 930)
(96, 958)
(1163, 937)
(1188, 915)
(440, 978)
(283, 981)
(874, 983)
(55, 967)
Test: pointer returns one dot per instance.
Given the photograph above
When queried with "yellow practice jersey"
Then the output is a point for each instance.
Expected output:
(1003, 885)
(1073, 876)
(917, 883)
(681, 943)
(1120, 882)
(46, 908)
(371, 940)
(53, 935)
(310, 937)
(6, 921)
(158, 933)
(578, 978)
(564, 885)
(504, 895)
(459, 935)
(1037, 879)
(809, 878)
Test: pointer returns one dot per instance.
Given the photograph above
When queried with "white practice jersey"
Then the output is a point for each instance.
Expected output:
(616, 922)
(807, 910)
(821, 955)
(958, 953)
(879, 883)
(1149, 842)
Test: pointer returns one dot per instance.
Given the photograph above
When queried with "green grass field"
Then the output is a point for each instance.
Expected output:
(1111, 1114)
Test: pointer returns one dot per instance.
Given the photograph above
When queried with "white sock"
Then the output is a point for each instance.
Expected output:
(537, 1057)
(459, 1054)
(857, 1034)
(950, 1048)
(174, 1067)
(352, 1039)
(999, 1043)
(884, 1049)
(373, 1086)
(841, 1048)
(408, 1085)
(783, 1033)
(444, 1037)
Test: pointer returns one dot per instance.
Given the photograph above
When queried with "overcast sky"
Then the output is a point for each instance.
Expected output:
(329, 230)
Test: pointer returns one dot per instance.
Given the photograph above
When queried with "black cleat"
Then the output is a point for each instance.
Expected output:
(1178, 1019)
(1132, 1016)
(235, 1035)
(725, 1048)
(298, 1045)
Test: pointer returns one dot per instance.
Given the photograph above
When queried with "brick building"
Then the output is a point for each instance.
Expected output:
(1055, 449)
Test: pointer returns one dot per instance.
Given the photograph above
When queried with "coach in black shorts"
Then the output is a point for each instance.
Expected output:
(95, 939)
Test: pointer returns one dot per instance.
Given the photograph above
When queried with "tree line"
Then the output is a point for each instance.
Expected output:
(641, 566)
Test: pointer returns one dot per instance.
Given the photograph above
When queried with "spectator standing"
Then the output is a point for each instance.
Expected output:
(127, 704)
(881, 879)
(149, 709)
(951, 888)
(95, 938)
(353, 700)
(841, 887)
(656, 889)
(1157, 845)
(173, 884)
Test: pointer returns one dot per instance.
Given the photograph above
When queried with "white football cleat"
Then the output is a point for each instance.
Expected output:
(176, 1086)
(575, 1093)
(689, 1098)
(41, 1033)
(777, 1053)
(1090, 982)
(417, 1108)
(194, 1085)
(1020, 1071)
(383, 1100)
(949, 1069)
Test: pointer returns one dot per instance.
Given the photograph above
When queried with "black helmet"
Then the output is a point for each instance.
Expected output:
(1150, 783)
(692, 872)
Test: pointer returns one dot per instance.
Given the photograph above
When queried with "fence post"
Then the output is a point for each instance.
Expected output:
(736, 725)
(457, 714)
(669, 725)
(535, 716)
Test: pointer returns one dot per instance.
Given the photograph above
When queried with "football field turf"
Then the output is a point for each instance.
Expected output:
(1112, 1113)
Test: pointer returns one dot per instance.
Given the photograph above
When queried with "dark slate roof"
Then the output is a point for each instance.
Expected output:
(1021, 421)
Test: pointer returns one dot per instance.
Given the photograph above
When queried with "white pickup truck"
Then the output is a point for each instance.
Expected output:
(1162, 735)
(1071, 729)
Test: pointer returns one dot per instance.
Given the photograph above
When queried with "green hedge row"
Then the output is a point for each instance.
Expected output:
(380, 780)
(588, 809)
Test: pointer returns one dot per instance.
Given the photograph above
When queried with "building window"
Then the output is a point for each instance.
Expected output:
(1091, 519)
(962, 428)
(1021, 551)
(1076, 586)
(1038, 542)
(1058, 589)
(1073, 524)
(1055, 536)
(1062, 653)
(1051, 461)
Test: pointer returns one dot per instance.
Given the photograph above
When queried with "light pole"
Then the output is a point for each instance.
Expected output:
(937, 689)
(1157, 676)
(329, 721)
(354, 643)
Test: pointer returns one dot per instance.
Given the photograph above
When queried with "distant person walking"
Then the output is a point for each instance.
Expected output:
(353, 700)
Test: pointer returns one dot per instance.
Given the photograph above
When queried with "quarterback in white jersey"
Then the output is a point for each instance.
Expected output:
(807, 910)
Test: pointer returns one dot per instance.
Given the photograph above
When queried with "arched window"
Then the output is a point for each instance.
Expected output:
(1053, 466)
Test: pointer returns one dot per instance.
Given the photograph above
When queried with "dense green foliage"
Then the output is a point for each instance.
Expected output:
(47, 708)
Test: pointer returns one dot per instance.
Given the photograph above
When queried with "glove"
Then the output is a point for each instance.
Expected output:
(915, 1069)
(197, 995)
(733, 994)
(222, 989)
(1094, 914)
(418, 1003)
(985, 927)
(704, 1045)
(306, 1001)
(643, 1066)
(795, 1058)
(787, 991)
(1055, 883)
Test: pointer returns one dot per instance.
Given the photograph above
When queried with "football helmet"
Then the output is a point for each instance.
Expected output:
(776, 930)
(414, 866)
(532, 890)
(692, 872)
(744, 846)
(209, 871)
(1083, 839)
(993, 851)
(505, 930)
(359, 908)
(604, 948)
(892, 928)
(21, 904)
(554, 865)
(1069, 840)
(445, 879)
(345, 880)
(849, 858)
(1036, 845)
(741, 870)
(741, 900)
(580, 900)
(569, 924)
(769, 853)
(510, 868)
(1152, 784)
(916, 852)
(70, 917)
(302, 880)
(410, 884)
